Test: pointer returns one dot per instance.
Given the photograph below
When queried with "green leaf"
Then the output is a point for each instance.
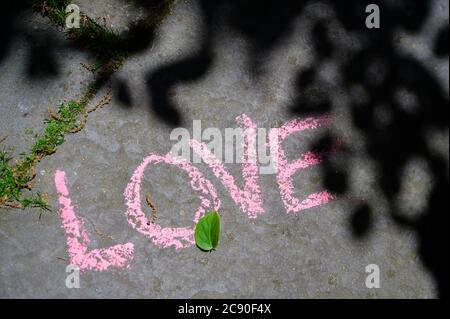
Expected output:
(207, 232)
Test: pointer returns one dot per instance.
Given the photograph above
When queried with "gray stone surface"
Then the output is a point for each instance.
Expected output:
(25, 100)
(309, 255)
(117, 14)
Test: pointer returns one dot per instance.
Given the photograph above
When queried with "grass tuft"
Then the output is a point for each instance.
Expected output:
(12, 182)
(15, 178)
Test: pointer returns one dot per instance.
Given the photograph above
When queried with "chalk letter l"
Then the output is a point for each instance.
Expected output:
(78, 239)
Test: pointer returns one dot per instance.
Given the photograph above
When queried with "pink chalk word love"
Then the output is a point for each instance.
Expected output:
(248, 198)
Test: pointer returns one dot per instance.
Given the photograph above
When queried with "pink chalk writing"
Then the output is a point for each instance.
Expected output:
(286, 170)
(248, 198)
(167, 237)
(78, 238)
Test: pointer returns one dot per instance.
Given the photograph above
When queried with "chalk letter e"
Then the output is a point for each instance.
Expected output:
(286, 169)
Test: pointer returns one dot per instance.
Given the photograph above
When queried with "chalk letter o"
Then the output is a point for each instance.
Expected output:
(168, 237)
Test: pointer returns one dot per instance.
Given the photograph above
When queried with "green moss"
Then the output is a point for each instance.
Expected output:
(104, 43)
(54, 9)
(12, 183)
(35, 202)
(9, 185)
(15, 178)
(53, 135)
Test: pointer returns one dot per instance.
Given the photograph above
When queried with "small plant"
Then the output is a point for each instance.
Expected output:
(19, 176)
(12, 181)
(37, 201)
(207, 232)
